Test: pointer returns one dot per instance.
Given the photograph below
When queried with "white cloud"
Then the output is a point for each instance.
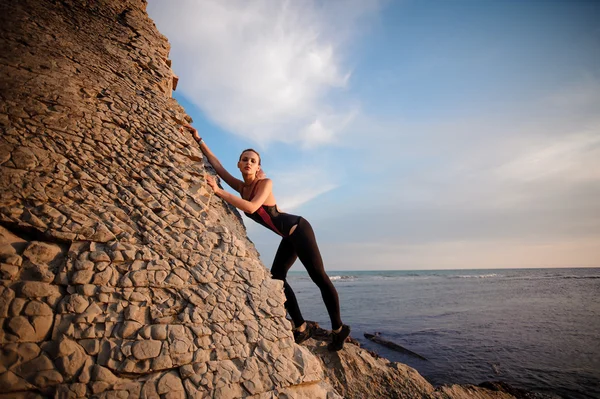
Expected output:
(263, 69)
(325, 129)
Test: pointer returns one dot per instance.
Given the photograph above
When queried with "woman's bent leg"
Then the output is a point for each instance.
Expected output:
(307, 250)
(284, 259)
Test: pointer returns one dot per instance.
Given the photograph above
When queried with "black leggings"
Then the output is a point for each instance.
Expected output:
(302, 244)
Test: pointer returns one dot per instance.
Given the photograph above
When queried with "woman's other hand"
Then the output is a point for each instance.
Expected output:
(192, 130)
(212, 182)
(261, 175)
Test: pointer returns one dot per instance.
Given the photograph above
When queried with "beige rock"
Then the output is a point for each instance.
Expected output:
(138, 297)
(102, 374)
(128, 255)
(82, 277)
(160, 276)
(82, 264)
(10, 382)
(24, 158)
(92, 312)
(135, 313)
(16, 306)
(87, 290)
(8, 272)
(6, 238)
(6, 297)
(173, 280)
(130, 328)
(139, 278)
(37, 273)
(162, 362)
(37, 289)
(75, 303)
(159, 332)
(106, 351)
(468, 392)
(42, 326)
(41, 253)
(31, 368)
(15, 260)
(146, 349)
(63, 326)
(21, 327)
(180, 346)
(99, 256)
(170, 382)
(101, 266)
(79, 389)
(133, 388)
(47, 378)
(102, 234)
(70, 358)
(14, 354)
(103, 278)
(99, 387)
(149, 390)
(91, 346)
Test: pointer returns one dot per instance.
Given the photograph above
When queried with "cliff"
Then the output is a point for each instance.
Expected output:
(120, 274)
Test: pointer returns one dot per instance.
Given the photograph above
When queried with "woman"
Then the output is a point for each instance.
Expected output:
(258, 203)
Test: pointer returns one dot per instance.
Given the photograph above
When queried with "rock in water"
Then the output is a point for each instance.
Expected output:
(391, 345)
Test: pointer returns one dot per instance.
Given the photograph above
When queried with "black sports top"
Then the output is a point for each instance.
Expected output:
(269, 216)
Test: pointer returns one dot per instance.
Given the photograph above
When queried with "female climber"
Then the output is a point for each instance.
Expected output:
(258, 203)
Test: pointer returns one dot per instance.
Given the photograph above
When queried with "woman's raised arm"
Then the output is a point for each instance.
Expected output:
(234, 183)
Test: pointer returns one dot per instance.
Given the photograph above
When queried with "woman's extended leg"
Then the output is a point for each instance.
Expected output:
(305, 245)
(284, 259)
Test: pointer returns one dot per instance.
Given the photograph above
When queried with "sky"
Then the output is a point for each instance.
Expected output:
(414, 134)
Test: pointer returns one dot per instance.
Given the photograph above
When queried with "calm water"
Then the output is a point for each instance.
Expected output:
(537, 329)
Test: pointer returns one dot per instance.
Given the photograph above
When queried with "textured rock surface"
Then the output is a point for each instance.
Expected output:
(120, 275)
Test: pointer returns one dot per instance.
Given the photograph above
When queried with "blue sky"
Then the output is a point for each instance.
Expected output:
(411, 134)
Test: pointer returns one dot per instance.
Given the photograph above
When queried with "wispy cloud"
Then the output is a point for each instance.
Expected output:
(572, 158)
(294, 189)
(263, 69)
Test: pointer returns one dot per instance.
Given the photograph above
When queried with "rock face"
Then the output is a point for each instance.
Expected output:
(120, 275)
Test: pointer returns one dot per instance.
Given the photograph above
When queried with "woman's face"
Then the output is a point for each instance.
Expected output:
(249, 163)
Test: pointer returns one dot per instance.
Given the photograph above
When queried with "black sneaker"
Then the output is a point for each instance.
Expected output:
(338, 339)
(301, 336)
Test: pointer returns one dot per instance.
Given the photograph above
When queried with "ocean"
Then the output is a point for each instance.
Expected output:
(536, 329)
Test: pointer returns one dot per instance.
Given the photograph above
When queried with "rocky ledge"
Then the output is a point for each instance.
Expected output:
(356, 373)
